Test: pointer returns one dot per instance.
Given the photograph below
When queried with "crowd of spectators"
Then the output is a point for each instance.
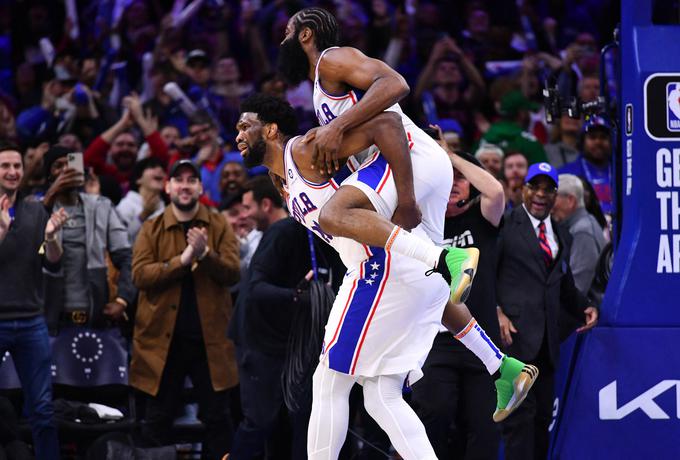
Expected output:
(123, 80)
(140, 86)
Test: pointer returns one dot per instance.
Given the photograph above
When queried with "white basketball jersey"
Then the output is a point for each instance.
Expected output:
(432, 171)
(305, 200)
(329, 106)
(387, 312)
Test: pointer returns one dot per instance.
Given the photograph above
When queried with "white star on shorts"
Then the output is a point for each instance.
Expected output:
(369, 282)
(375, 266)
(374, 275)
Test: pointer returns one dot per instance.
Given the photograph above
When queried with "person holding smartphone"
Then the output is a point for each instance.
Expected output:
(78, 294)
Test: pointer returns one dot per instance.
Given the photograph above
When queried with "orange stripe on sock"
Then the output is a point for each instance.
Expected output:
(467, 328)
(392, 237)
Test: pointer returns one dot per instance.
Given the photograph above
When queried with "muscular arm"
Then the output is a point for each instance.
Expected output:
(383, 86)
(386, 131)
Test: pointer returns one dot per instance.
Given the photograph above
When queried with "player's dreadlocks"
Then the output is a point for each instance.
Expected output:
(322, 23)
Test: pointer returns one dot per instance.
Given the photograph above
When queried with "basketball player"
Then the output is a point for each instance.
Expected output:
(387, 311)
(349, 89)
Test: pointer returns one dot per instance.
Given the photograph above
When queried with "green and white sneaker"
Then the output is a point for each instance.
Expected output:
(513, 386)
(458, 266)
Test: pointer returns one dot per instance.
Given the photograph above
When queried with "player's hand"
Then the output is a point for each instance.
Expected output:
(325, 156)
(309, 136)
(591, 319)
(407, 216)
(506, 327)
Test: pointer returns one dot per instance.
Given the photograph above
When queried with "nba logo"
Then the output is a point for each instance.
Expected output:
(673, 106)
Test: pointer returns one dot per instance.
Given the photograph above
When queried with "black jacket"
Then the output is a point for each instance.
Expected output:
(530, 293)
(268, 300)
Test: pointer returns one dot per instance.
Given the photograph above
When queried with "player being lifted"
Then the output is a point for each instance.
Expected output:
(308, 52)
(387, 312)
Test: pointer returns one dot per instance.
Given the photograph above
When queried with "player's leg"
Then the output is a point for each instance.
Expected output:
(351, 214)
(514, 378)
(329, 419)
(384, 402)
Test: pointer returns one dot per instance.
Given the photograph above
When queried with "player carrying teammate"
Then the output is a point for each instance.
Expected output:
(387, 312)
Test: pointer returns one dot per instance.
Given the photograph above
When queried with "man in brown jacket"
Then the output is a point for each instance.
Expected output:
(184, 262)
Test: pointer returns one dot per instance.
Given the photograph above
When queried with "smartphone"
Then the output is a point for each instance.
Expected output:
(75, 161)
(433, 133)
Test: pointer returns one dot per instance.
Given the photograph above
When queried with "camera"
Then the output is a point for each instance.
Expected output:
(555, 105)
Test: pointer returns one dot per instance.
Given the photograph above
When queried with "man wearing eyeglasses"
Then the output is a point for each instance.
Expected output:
(184, 262)
(534, 282)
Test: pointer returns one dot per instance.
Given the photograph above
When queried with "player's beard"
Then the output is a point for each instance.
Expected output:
(256, 153)
(292, 63)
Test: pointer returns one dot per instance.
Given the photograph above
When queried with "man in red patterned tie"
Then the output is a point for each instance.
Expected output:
(534, 283)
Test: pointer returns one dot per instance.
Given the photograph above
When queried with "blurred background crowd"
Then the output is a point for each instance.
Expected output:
(138, 85)
(115, 71)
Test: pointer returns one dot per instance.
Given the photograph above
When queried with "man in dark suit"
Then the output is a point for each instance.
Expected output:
(534, 282)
